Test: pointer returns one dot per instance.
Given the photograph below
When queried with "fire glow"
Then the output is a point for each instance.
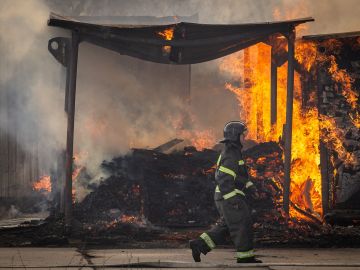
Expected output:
(167, 34)
(253, 96)
(43, 184)
(251, 70)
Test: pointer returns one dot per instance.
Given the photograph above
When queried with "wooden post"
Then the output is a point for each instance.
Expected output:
(188, 101)
(273, 75)
(70, 126)
(324, 153)
(289, 118)
(325, 186)
(259, 99)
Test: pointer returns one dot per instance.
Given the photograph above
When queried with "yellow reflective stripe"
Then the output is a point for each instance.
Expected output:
(217, 189)
(233, 193)
(228, 171)
(241, 162)
(245, 254)
(218, 161)
(249, 184)
(208, 240)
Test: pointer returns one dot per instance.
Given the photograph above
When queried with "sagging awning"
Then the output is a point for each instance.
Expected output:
(180, 43)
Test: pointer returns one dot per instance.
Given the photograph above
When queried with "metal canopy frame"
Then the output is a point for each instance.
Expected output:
(65, 50)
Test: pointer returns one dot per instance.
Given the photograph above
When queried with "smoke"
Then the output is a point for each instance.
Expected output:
(30, 80)
(124, 102)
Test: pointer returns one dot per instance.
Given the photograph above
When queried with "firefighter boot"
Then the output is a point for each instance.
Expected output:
(249, 260)
(198, 246)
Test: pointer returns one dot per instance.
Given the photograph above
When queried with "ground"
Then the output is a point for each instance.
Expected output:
(73, 258)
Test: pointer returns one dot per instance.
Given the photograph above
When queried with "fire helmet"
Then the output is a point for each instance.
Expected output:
(233, 130)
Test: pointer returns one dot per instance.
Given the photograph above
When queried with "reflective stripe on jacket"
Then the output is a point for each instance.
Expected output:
(231, 175)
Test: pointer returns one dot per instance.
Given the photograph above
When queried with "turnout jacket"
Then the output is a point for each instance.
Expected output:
(231, 174)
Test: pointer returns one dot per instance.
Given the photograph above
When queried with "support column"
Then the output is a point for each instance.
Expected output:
(70, 126)
(289, 118)
(273, 75)
(188, 98)
(260, 134)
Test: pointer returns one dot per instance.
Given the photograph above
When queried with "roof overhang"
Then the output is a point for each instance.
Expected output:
(190, 43)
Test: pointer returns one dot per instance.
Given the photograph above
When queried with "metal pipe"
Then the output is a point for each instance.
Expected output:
(289, 118)
(273, 75)
(70, 126)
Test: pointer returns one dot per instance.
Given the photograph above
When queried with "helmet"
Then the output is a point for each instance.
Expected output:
(233, 130)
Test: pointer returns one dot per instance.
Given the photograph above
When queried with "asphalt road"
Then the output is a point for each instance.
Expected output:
(73, 258)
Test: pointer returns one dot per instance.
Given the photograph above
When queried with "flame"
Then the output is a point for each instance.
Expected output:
(125, 219)
(342, 77)
(129, 219)
(305, 54)
(355, 119)
(253, 96)
(78, 161)
(331, 134)
(43, 184)
(200, 139)
(334, 137)
(167, 34)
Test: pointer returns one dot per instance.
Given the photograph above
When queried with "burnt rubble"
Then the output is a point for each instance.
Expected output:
(172, 190)
(151, 199)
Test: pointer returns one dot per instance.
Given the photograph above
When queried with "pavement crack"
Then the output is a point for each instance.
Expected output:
(85, 255)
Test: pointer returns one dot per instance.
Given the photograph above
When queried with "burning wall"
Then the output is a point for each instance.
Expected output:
(254, 101)
(338, 90)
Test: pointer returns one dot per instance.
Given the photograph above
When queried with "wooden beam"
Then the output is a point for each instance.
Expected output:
(273, 75)
(259, 99)
(325, 186)
(289, 118)
(70, 126)
(324, 153)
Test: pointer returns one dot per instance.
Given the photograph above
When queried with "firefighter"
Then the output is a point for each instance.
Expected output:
(233, 183)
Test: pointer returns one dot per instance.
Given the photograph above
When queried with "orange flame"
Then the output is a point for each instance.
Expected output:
(78, 167)
(43, 184)
(342, 77)
(200, 139)
(334, 137)
(253, 96)
(355, 119)
(125, 219)
(305, 54)
(167, 34)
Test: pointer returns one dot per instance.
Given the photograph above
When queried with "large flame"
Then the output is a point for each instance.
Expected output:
(254, 101)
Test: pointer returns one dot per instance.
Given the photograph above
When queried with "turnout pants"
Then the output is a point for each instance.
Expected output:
(235, 220)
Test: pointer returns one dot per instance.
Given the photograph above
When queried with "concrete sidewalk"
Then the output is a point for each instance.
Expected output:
(72, 258)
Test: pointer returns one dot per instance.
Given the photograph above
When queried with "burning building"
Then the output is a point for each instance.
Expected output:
(298, 97)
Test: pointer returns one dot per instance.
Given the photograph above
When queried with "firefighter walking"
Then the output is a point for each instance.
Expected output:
(233, 183)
